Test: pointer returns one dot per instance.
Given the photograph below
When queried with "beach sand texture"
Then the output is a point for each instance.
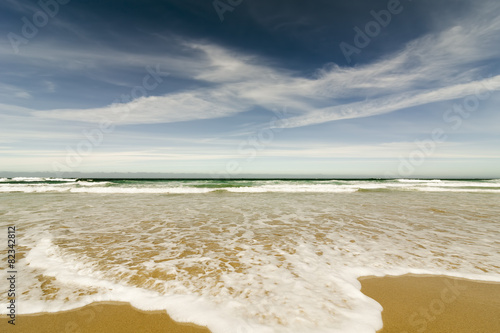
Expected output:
(435, 304)
(432, 304)
(105, 317)
(270, 257)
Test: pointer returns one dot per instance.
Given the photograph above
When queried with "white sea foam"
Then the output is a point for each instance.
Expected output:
(219, 317)
(67, 270)
(63, 186)
(61, 179)
(173, 187)
(34, 188)
(37, 179)
(445, 189)
(294, 188)
(87, 183)
(404, 180)
(259, 263)
(145, 190)
(28, 179)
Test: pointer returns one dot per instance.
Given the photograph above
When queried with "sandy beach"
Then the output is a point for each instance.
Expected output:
(435, 304)
(106, 317)
(411, 303)
(253, 262)
(250, 166)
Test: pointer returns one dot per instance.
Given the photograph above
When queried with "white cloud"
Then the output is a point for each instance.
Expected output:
(7, 90)
(49, 85)
(23, 94)
(436, 67)
(201, 104)
(393, 103)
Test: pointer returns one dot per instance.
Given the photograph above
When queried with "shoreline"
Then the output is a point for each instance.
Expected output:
(411, 303)
(99, 317)
(435, 303)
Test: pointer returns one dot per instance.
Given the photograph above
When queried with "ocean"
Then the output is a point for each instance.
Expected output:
(242, 256)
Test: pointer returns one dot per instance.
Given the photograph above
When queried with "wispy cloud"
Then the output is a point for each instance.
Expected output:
(392, 103)
(49, 85)
(437, 67)
(10, 90)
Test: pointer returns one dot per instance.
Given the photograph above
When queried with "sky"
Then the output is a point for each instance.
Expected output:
(227, 88)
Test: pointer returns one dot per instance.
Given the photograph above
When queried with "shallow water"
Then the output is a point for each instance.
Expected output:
(256, 256)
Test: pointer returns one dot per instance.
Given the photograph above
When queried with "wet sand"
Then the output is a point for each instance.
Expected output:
(106, 317)
(432, 304)
(435, 304)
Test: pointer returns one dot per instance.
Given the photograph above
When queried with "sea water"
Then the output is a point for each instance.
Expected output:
(243, 256)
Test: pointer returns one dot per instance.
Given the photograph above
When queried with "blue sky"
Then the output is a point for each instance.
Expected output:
(230, 88)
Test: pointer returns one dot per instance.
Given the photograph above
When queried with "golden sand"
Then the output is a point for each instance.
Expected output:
(106, 317)
(435, 304)
(412, 304)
